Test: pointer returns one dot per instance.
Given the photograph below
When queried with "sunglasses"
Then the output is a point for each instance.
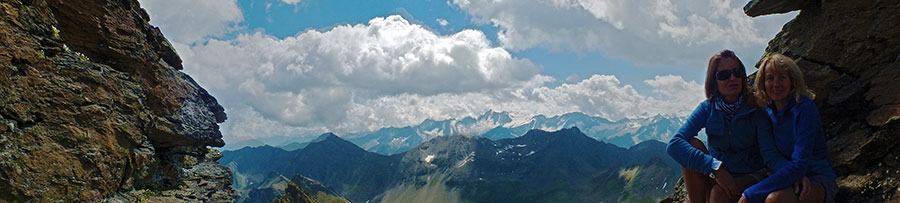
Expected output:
(726, 74)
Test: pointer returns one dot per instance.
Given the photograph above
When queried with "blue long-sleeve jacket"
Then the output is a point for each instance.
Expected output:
(796, 149)
(735, 145)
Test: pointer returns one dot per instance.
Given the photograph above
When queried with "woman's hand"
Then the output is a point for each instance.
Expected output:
(798, 187)
(743, 199)
(807, 186)
(724, 180)
(802, 187)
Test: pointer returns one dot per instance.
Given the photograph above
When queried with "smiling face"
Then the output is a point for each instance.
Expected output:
(778, 84)
(731, 87)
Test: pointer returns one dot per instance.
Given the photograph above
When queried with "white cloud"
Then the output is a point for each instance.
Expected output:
(442, 22)
(387, 56)
(604, 95)
(291, 2)
(245, 123)
(650, 32)
(600, 95)
(573, 78)
(679, 94)
(389, 72)
(187, 22)
(316, 78)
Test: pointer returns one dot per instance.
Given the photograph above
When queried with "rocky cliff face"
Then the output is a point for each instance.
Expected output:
(93, 107)
(849, 52)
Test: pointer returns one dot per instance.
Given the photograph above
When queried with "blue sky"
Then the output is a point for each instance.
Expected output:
(304, 67)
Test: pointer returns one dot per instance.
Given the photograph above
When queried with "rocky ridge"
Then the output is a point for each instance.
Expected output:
(94, 108)
(294, 194)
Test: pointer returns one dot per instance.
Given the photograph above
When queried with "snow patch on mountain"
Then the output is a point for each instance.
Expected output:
(499, 125)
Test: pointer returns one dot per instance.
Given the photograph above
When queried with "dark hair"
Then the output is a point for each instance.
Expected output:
(712, 88)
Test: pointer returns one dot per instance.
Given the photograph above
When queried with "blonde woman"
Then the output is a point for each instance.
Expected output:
(796, 152)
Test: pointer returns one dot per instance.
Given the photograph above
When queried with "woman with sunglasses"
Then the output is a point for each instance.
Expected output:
(796, 150)
(733, 123)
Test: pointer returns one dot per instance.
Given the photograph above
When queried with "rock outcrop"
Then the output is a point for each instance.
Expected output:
(93, 107)
(849, 52)
(756, 8)
(294, 194)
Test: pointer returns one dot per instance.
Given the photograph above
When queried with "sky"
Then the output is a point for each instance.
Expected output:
(301, 68)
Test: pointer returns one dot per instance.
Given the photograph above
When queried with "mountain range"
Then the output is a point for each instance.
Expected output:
(499, 125)
(538, 166)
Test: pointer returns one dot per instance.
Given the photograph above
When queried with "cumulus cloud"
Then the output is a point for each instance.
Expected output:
(316, 78)
(602, 95)
(386, 56)
(606, 96)
(652, 32)
(680, 95)
(246, 123)
(188, 22)
(389, 72)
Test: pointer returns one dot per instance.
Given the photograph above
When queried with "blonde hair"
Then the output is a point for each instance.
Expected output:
(786, 64)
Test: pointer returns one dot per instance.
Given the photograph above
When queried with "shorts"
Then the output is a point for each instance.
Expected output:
(759, 175)
(828, 184)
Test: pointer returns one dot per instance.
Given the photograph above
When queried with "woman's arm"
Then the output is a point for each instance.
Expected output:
(681, 150)
(807, 125)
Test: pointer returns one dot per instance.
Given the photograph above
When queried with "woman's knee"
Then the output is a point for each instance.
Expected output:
(781, 196)
(717, 194)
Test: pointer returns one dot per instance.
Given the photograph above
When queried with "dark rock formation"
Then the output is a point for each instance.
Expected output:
(764, 7)
(849, 53)
(93, 107)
